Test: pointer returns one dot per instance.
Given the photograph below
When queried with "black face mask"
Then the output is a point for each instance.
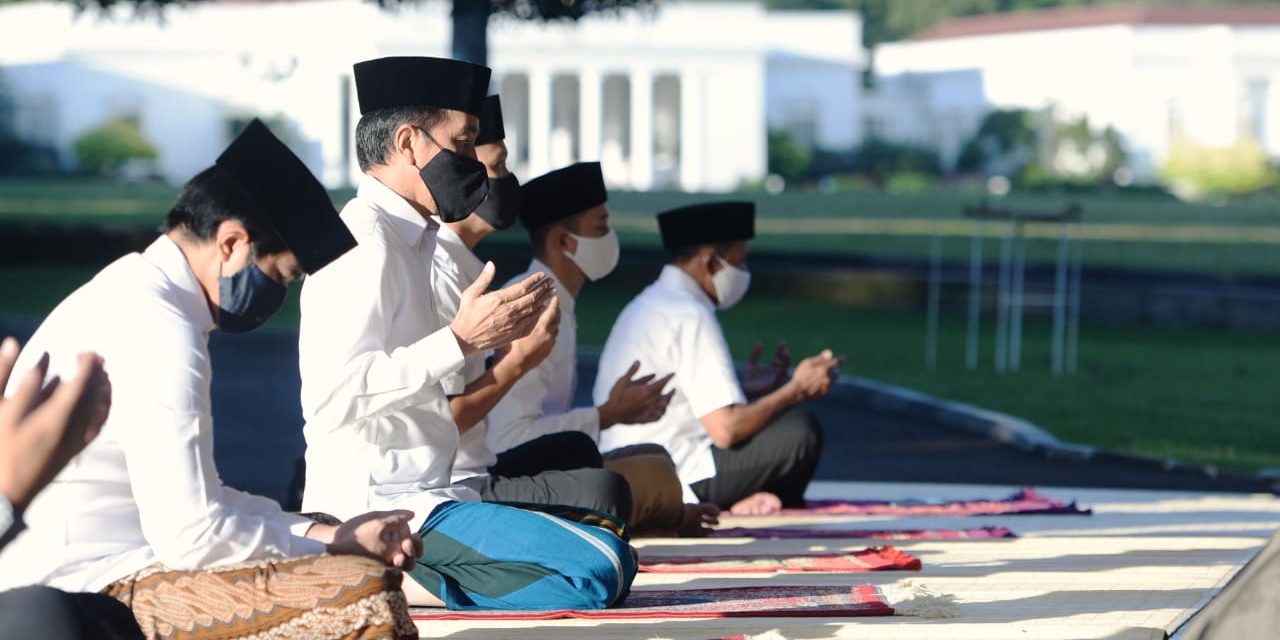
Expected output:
(503, 203)
(247, 299)
(457, 183)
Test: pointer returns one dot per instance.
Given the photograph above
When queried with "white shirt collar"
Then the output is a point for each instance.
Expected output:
(676, 279)
(165, 254)
(567, 301)
(407, 222)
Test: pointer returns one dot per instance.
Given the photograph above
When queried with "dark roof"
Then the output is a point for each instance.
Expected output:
(1099, 15)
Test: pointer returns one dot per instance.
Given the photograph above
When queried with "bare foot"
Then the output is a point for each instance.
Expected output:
(697, 519)
(757, 504)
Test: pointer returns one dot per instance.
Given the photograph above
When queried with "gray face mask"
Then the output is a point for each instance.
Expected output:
(247, 298)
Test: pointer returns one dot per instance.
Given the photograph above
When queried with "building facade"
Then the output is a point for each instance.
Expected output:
(1157, 74)
(680, 96)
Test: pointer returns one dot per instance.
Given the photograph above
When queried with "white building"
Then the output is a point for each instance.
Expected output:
(1209, 75)
(678, 97)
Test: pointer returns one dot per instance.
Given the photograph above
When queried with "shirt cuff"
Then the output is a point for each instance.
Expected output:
(440, 353)
(10, 523)
(301, 544)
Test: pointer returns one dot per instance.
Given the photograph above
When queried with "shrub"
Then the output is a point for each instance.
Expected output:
(1196, 171)
(107, 148)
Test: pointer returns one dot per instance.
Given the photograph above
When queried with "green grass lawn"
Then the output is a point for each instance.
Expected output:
(1127, 230)
(1198, 396)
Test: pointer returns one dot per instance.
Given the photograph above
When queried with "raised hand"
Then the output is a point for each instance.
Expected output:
(759, 380)
(42, 429)
(635, 400)
(494, 319)
(532, 349)
(815, 375)
(382, 535)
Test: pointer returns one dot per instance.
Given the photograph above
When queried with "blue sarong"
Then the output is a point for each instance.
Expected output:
(479, 555)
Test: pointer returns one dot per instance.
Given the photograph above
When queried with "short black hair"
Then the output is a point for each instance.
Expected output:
(539, 235)
(374, 131)
(681, 255)
(213, 197)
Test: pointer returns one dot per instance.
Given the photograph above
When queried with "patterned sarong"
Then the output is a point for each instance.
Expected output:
(312, 597)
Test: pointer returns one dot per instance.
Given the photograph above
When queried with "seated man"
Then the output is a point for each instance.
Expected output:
(747, 455)
(141, 514)
(567, 218)
(566, 471)
(373, 351)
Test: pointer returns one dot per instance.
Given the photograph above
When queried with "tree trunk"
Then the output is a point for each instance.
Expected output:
(471, 30)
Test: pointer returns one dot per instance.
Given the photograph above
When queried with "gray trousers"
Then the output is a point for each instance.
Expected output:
(554, 470)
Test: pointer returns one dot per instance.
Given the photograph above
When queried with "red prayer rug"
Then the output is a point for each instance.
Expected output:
(1025, 502)
(739, 602)
(884, 558)
(780, 533)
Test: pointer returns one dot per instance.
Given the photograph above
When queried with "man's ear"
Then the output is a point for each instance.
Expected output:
(233, 245)
(402, 143)
(561, 239)
(707, 255)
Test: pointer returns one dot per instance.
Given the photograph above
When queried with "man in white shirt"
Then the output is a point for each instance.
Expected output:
(373, 352)
(141, 513)
(565, 468)
(740, 449)
(567, 216)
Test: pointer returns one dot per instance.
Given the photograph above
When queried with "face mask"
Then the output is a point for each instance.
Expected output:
(457, 183)
(596, 256)
(248, 298)
(731, 284)
(503, 203)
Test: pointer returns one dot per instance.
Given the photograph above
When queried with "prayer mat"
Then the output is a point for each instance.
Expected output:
(740, 602)
(884, 558)
(1025, 502)
(779, 533)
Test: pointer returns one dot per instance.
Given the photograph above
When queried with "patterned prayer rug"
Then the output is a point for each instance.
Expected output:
(740, 602)
(1025, 502)
(884, 558)
(780, 533)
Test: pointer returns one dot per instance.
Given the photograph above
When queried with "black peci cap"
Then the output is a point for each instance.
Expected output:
(388, 83)
(562, 193)
(491, 129)
(291, 201)
(707, 223)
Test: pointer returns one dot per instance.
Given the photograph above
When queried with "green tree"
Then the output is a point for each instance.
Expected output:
(107, 148)
(787, 158)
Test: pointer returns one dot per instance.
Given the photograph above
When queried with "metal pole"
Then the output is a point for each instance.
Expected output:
(1060, 300)
(1073, 326)
(975, 296)
(1002, 300)
(1015, 310)
(935, 301)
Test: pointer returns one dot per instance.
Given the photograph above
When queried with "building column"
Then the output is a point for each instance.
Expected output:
(691, 130)
(641, 160)
(590, 115)
(539, 134)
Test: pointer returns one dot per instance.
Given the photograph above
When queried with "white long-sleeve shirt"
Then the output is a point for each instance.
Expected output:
(541, 402)
(454, 268)
(372, 353)
(146, 490)
(672, 327)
